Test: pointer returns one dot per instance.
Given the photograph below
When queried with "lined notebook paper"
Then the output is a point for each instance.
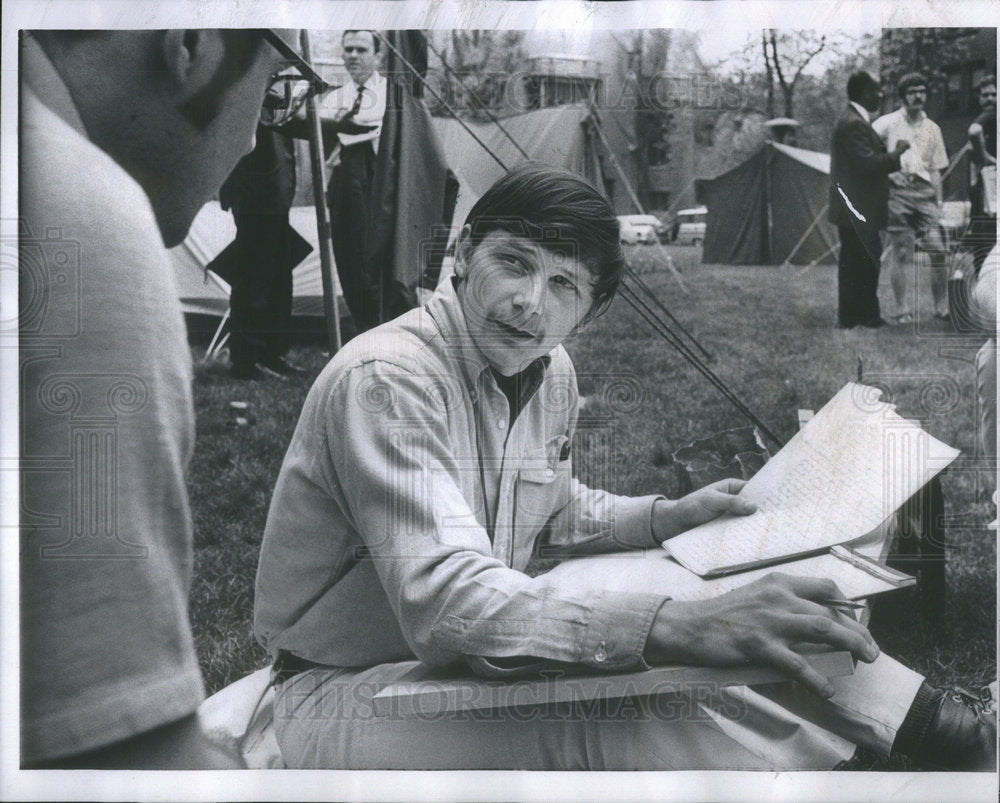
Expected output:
(844, 473)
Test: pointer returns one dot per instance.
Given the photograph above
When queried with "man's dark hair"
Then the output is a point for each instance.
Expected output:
(909, 80)
(985, 81)
(377, 42)
(561, 212)
(858, 84)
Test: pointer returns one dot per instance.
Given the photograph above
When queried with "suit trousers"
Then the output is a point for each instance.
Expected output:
(349, 197)
(857, 275)
(261, 295)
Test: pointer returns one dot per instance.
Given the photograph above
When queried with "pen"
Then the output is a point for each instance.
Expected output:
(842, 605)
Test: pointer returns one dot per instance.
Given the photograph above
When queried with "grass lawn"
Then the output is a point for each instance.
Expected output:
(772, 337)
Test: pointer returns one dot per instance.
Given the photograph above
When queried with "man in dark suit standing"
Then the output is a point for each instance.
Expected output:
(859, 195)
(259, 263)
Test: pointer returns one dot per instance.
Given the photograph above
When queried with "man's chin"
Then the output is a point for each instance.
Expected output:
(174, 228)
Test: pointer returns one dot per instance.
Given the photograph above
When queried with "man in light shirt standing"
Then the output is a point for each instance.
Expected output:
(362, 100)
(915, 196)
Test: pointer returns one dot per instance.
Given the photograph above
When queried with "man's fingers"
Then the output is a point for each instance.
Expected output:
(798, 668)
(835, 630)
(730, 486)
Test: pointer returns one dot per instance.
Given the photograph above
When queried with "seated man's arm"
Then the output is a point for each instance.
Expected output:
(765, 623)
(405, 484)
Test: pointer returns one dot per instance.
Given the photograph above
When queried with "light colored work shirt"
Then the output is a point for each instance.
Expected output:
(926, 156)
(371, 111)
(408, 506)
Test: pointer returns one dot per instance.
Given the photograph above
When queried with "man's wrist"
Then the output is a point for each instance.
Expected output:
(662, 521)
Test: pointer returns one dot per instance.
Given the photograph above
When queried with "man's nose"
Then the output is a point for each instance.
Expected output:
(529, 296)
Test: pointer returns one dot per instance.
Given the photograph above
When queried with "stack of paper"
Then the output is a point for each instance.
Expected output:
(844, 473)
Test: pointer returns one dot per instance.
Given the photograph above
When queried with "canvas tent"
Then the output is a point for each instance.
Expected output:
(770, 209)
(203, 293)
(557, 136)
(561, 136)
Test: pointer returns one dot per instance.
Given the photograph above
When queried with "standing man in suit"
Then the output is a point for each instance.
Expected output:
(260, 192)
(859, 195)
(362, 101)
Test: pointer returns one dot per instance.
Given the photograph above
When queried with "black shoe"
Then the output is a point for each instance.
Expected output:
(282, 366)
(959, 729)
(876, 324)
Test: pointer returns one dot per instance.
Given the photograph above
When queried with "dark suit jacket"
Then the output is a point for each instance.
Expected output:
(860, 165)
(264, 180)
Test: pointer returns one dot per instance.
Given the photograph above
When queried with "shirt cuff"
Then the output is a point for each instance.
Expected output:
(634, 521)
(616, 634)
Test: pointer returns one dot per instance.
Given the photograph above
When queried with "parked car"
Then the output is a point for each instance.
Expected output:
(639, 228)
(691, 225)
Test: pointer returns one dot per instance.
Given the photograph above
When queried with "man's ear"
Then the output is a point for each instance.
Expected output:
(463, 251)
(192, 58)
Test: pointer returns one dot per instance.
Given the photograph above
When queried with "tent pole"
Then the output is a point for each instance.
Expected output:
(632, 194)
(802, 239)
(769, 233)
(331, 312)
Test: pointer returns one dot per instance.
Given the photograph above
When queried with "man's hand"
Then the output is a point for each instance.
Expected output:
(902, 146)
(765, 623)
(672, 517)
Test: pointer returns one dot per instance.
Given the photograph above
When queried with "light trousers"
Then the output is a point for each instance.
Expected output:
(324, 718)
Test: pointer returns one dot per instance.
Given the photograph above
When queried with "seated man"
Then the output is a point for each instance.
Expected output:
(433, 455)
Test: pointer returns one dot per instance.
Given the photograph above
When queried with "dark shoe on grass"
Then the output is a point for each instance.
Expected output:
(951, 730)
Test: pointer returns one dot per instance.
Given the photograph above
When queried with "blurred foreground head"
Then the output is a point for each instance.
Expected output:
(177, 109)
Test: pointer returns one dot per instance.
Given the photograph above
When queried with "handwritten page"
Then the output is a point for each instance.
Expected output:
(846, 471)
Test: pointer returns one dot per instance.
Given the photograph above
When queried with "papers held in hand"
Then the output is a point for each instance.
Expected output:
(844, 473)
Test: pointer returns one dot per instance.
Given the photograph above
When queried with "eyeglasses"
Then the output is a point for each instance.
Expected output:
(289, 86)
(916, 91)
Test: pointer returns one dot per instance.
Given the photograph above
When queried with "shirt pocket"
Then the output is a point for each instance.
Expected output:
(543, 488)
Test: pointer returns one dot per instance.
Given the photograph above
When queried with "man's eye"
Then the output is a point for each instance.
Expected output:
(514, 264)
(563, 281)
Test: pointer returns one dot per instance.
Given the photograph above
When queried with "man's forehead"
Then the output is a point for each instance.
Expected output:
(359, 39)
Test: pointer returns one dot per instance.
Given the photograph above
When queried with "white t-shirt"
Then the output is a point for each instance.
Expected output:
(926, 155)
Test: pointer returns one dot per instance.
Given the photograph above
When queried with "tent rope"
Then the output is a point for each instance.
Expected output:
(640, 296)
(441, 100)
(479, 102)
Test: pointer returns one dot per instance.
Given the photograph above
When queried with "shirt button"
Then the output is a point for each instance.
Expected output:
(549, 472)
(501, 423)
(601, 655)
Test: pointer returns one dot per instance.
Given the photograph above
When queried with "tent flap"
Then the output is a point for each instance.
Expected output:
(791, 184)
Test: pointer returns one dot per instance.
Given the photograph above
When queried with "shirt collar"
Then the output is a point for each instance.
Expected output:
(446, 311)
(371, 82)
(42, 78)
(862, 111)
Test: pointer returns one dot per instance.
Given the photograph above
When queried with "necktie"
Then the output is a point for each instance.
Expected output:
(357, 102)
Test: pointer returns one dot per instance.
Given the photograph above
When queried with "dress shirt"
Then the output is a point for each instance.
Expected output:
(862, 111)
(408, 506)
(371, 112)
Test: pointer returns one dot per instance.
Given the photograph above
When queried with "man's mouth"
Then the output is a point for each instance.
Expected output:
(515, 332)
